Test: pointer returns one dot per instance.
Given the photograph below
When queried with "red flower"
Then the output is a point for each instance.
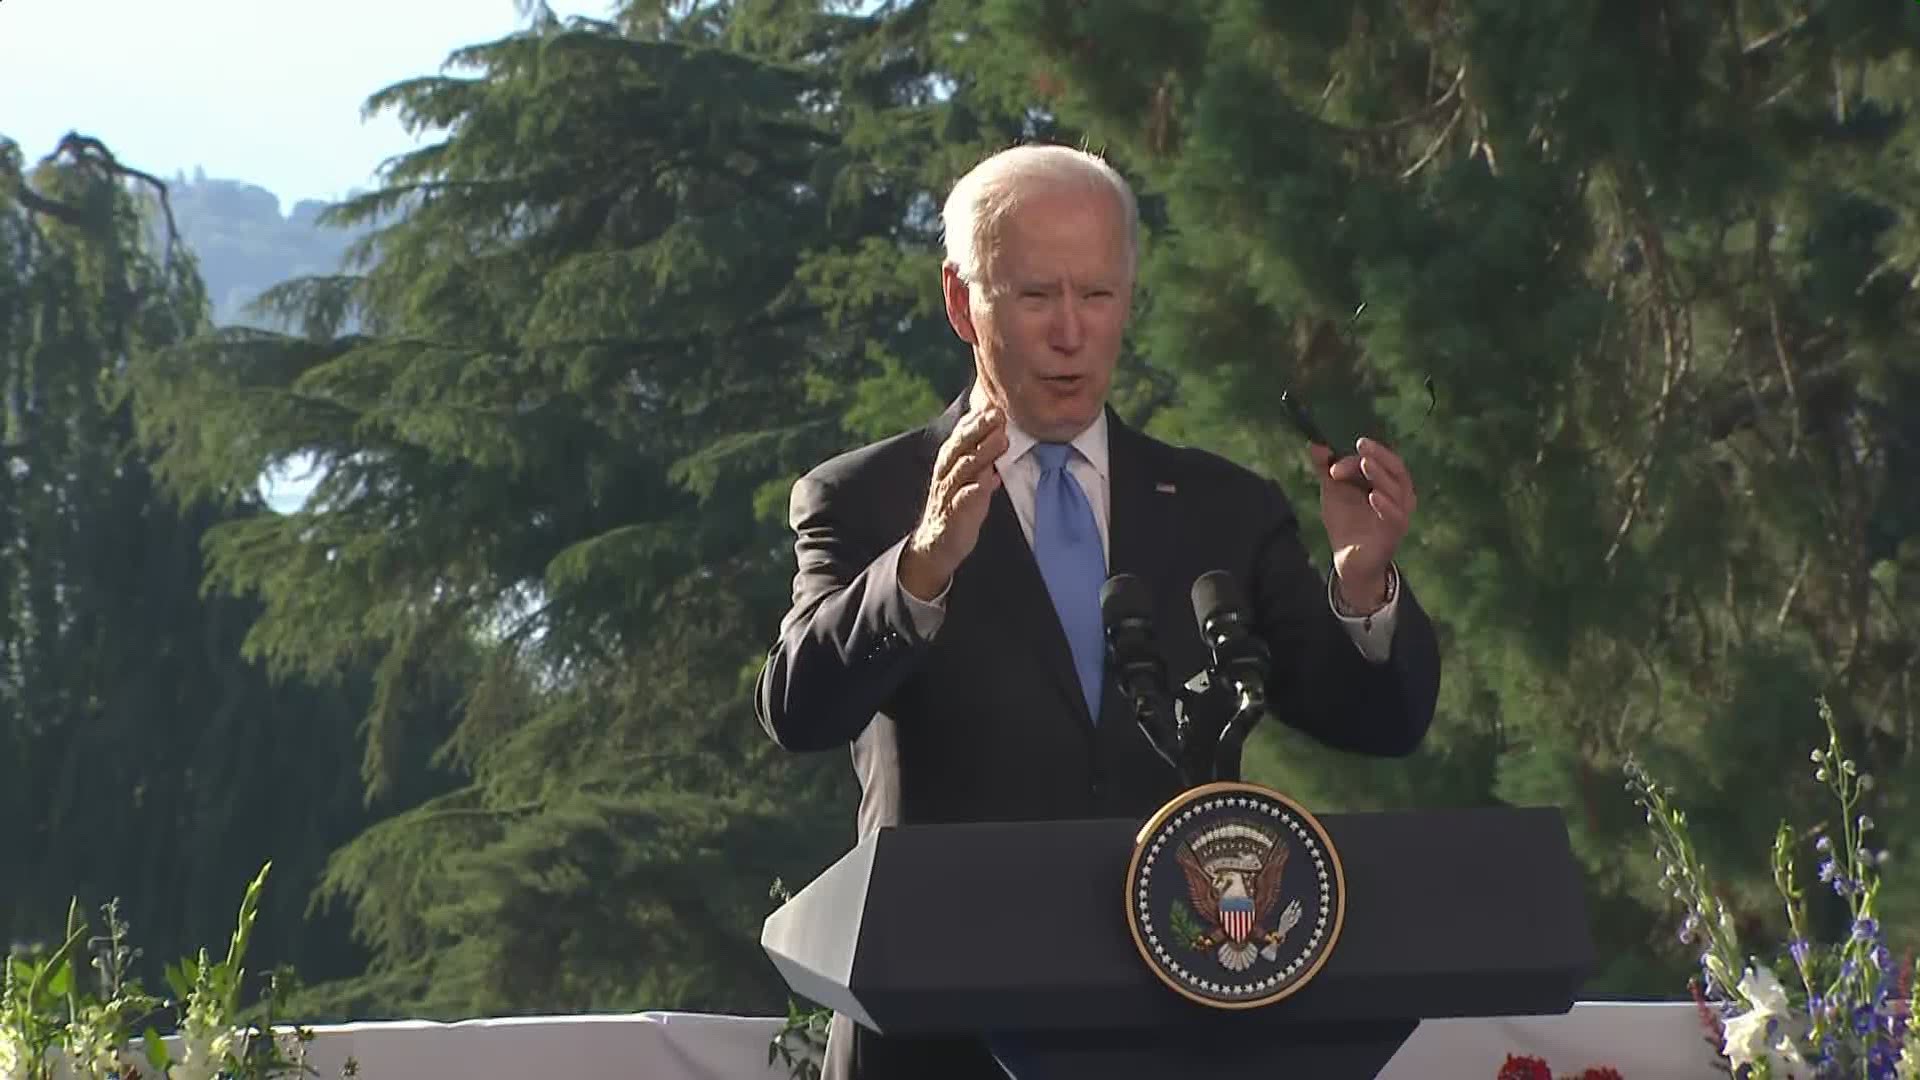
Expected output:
(1524, 1068)
(1533, 1068)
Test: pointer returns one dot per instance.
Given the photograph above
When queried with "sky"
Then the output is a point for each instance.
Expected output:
(265, 91)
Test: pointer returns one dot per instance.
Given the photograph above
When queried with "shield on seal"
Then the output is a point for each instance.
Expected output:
(1236, 917)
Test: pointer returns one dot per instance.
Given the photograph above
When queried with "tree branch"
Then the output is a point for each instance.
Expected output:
(1418, 115)
(1793, 591)
(53, 208)
(1433, 147)
(86, 150)
(1676, 338)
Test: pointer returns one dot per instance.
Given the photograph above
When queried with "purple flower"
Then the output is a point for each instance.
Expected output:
(1798, 947)
(1865, 929)
(1862, 1019)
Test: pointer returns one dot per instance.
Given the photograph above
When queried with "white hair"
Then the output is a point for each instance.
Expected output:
(983, 198)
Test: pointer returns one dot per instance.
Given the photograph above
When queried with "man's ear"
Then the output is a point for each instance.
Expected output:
(959, 304)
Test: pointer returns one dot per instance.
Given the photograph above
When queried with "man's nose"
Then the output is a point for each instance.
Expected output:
(1069, 324)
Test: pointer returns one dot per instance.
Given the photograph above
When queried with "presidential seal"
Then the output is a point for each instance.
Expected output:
(1234, 895)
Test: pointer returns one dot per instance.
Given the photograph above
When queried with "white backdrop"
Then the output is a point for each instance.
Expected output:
(1644, 1041)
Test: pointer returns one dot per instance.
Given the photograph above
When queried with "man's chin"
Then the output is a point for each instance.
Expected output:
(1058, 426)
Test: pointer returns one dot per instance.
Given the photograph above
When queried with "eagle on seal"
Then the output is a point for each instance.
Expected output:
(1233, 888)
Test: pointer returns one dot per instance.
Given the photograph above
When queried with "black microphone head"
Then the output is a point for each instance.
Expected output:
(1125, 597)
(1215, 593)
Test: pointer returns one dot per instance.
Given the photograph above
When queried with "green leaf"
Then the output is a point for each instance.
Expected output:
(181, 975)
(157, 1054)
(61, 980)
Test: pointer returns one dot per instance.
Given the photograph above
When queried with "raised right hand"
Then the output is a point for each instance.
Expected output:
(958, 495)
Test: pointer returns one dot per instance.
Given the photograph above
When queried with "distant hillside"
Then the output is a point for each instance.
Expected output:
(245, 244)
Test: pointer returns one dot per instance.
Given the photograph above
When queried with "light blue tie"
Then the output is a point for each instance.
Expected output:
(1066, 544)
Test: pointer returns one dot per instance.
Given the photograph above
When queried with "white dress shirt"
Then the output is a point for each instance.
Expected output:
(1020, 476)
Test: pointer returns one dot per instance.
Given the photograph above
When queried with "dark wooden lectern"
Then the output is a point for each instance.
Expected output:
(1017, 931)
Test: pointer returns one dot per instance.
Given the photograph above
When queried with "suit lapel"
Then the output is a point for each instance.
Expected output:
(1020, 594)
(1140, 504)
(1140, 508)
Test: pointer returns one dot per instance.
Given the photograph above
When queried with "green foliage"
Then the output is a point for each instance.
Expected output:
(801, 1043)
(546, 482)
(54, 1022)
(140, 756)
(1666, 300)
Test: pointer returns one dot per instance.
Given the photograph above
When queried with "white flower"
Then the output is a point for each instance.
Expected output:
(1745, 1037)
(1759, 1036)
(90, 1048)
(1761, 987)
(1754, 1037)
(1764, 1032)
(13, 1058)
(203, 1053)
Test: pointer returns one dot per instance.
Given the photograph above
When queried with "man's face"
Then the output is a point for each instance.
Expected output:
(1046, 324)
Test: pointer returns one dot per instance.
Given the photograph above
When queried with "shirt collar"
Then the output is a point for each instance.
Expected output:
(1091, 442)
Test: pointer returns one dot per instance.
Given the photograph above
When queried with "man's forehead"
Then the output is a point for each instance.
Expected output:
(1057, 271)
(1053, 255)
(1072, 234)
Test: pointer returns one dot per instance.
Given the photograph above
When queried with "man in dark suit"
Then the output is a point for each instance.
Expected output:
(945, 617)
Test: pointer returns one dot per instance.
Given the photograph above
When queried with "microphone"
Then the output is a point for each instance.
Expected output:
(1226, 625)
(1240, 658)
(1126, 612)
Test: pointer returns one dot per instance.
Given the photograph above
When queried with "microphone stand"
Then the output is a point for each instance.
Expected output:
(1227, 753)
(1161, 727)
(1214, 717)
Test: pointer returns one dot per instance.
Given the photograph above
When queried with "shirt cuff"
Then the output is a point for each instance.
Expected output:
(927, 614)
(1372, 633)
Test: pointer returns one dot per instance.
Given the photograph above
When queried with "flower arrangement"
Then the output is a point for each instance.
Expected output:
(1519, 1067)
(1843, 1009)
(53, 1024)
